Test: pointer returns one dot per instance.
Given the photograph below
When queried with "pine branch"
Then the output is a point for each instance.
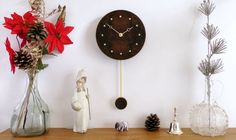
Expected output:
(216, 66)
(204, 67)
(213, 67)
(210, 31)
(54, 11)
(206, 7)
(218, 46)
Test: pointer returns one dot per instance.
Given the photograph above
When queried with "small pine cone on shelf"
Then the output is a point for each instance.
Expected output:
(23, 60)
(37, 32)
(152, 122)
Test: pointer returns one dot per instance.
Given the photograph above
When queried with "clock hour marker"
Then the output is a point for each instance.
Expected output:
(139, 34)
(121, 53)
(136, 25)
(129, 18)
(130, 51)
(102, 35)
(111, 18)
(111, 51)
(120, 16)
(136, 44)
(104, 44)
(104, 25)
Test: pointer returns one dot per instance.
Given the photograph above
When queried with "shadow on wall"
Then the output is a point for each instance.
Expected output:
(90, 39)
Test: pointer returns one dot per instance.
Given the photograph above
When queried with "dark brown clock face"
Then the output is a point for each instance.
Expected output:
(120, 34)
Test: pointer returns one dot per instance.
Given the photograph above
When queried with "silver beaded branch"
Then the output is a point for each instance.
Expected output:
(208, 66)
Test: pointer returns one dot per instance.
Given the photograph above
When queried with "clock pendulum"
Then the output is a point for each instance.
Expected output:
(120, 35)
(121, 102)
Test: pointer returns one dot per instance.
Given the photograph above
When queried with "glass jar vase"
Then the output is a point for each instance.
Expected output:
(208, 118)
(31, 115)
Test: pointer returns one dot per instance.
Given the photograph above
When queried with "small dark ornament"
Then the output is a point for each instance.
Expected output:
(121, 103)
(23, 60)
(152, 123)
(121, 126)
(37, 32)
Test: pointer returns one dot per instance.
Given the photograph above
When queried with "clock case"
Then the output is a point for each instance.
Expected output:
(120, 48)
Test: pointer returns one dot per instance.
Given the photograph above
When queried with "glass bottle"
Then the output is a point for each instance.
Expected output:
(31, 115)
(208, 118)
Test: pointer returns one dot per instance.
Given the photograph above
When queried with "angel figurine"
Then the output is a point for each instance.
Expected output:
(80, 104)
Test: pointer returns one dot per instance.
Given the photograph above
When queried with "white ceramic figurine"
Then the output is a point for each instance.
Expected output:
(80, 104)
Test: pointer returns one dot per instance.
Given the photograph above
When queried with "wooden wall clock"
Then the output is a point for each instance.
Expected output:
(120, 34)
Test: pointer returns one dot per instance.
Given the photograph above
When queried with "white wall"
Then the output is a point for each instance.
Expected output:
(162, 76)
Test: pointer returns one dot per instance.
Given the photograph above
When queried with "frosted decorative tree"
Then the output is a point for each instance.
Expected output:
(207, 118)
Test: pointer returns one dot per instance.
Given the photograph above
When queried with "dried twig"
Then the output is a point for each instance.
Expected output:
(38, 7)
(54, 11)
(63, 14)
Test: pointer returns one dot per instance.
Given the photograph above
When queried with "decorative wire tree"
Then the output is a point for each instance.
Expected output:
(208, 118)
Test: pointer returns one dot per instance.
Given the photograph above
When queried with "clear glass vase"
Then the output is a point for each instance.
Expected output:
(208, 118)
(31, 115)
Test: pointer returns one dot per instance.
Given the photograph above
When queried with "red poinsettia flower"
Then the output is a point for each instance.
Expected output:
(58, 35)
(11, 53)
(20, 25)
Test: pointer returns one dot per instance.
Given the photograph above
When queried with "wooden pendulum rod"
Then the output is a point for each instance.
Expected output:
(121, 80)
(121, 102)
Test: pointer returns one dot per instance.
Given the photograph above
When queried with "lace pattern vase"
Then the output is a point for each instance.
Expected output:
(30, 117)
(208, 118)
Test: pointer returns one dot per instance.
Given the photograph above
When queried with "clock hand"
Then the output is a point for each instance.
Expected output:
(112, 28)
(120, 34)
(127, 30)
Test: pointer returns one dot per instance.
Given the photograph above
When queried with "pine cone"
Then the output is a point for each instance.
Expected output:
(152, 123)
(35, 51)
(37, 32)
(23, 60)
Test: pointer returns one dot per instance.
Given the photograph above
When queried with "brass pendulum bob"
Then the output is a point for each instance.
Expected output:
(174, 126)
(121, 102)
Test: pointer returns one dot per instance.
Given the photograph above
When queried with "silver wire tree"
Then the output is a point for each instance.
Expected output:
(207, 118)
(210, 66)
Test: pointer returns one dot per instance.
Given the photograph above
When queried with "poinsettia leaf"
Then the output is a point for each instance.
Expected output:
(68, 29)
(66, 40)
(60, 47)
(40, 65)
(43, 66)
(60, 25)
(11, 53)
(45, 50)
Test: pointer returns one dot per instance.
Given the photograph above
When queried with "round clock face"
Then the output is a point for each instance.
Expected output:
(120, 34)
